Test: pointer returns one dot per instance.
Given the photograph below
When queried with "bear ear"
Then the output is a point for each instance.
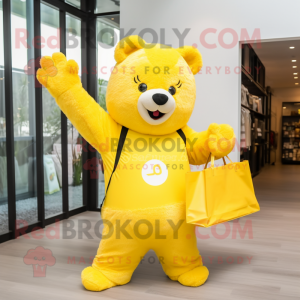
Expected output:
(192, 56)
(128, 45)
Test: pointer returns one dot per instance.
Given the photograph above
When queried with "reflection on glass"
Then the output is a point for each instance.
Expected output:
(75, 3)
(51, 120)
(73, 39)
(3, 166)
(24, 113)
(74, 167)
(106, 6)
(108, 35)
(73, 45)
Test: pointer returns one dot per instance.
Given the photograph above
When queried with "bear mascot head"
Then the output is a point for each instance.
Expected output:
(152, 88)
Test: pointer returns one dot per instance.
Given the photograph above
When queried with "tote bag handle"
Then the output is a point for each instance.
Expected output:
(213, 161)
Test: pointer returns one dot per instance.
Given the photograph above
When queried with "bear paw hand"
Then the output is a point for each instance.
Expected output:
(221, 139)
(57, 74)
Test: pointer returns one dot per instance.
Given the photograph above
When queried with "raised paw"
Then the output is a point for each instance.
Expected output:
(57, 74)
(94, 280)
(195, 277)
(47, 69)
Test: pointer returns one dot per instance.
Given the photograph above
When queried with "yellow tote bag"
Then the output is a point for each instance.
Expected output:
(219, 194)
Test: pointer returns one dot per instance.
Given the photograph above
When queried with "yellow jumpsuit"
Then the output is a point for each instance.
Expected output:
(147, 192)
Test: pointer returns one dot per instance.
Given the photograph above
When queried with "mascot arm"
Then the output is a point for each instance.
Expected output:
(218, 140)
(61, 79)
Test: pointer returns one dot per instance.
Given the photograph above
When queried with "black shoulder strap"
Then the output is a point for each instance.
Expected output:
(122, 139)
(182, 135)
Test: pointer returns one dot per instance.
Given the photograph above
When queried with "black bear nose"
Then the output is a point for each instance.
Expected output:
(160, 99)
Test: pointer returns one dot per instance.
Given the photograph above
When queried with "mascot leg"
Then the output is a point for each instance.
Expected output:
(113, 265)
(118, 255)
(180, 258)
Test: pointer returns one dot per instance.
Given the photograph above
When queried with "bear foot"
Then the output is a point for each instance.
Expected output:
(195, 277)
(94, 280)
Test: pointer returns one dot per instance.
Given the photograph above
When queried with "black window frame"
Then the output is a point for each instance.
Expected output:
(88, 57)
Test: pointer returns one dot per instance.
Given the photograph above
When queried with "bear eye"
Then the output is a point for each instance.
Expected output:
(172, 90)
(143, 87)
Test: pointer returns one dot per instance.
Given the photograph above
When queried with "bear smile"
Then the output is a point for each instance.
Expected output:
(155, 115)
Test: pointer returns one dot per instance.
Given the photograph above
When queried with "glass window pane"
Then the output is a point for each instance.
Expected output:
(108, 34)
(51, 120)
(73, 39)
(73, 51)
(104, 6)
(24, 110)
(75, 3)
(3, 166)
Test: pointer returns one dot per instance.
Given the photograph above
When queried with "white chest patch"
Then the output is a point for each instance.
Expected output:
(154, 172)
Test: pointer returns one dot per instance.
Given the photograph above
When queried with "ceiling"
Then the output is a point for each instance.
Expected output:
(277, 58)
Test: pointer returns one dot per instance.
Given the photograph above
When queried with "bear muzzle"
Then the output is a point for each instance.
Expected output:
(156, 106)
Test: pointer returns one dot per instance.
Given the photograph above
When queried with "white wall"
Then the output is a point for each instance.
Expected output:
(218, 95)
(279, 96)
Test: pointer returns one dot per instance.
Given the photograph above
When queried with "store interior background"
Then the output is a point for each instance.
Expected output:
(218, 95)
(278, 57)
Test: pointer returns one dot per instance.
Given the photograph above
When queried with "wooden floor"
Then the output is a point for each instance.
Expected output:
(266, 266)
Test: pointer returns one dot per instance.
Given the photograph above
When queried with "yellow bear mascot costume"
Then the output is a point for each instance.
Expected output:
(150, 98)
